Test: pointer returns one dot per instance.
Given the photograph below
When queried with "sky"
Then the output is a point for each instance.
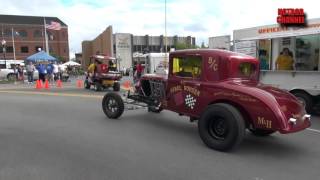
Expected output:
(201, 19)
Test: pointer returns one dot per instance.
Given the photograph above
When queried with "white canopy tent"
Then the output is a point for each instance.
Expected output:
(71, 63)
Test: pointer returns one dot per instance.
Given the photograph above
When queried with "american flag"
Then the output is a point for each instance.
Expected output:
(54, 25)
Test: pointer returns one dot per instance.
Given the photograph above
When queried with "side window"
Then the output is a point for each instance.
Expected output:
(187, 66)
(246, 69)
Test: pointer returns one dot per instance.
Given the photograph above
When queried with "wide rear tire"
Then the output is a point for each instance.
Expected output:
(305, 99)
(112, 105)
(221, 127)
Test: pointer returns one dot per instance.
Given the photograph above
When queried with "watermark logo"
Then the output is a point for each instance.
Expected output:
(291, 17)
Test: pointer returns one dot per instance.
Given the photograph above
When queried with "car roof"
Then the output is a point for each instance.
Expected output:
(219, 52)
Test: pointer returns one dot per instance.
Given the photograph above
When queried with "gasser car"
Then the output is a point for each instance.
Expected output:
(219, 89)
(105, 74)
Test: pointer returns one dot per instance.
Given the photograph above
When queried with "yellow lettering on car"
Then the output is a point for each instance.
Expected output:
(264, 123)
(213, 64)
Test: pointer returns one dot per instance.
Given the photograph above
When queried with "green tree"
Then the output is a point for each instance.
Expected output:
(203, 46)
(59, 58)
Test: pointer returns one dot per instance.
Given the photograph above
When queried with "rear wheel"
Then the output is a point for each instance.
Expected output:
(11, 77)
(112, 105)
(221, 127)
(261, 132)
(305, 99)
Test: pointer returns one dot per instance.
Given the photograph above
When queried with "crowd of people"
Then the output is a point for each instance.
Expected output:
(51, 71)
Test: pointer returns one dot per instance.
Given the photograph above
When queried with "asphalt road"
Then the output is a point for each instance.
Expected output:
(63, 134)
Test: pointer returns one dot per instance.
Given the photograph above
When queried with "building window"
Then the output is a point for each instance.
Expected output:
(24, 49)
(38, 48)
(37, 33)
(64, 50)
(23, 33)
(63, 35)
(9, 49)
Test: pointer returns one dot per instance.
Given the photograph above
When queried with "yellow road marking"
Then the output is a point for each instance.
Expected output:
(53, 94)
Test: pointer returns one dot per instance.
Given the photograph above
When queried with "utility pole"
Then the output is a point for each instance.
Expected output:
(4, 49)
(165, 32)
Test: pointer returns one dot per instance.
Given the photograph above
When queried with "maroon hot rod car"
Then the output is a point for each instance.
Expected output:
(219, 89)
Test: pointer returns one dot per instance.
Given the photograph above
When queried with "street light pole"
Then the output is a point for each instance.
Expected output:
(3, 42)
(119, 59)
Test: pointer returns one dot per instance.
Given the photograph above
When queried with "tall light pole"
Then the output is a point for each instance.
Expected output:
(165, 24)
(118, 61)
(165, 32)
(4, 49)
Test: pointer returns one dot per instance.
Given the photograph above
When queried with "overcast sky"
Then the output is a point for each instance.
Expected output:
(199, 18)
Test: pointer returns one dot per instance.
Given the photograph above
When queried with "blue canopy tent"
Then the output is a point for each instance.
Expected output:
(41, 57)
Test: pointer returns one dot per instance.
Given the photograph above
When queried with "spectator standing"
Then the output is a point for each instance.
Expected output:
(20, 73)
(30, 70)
(50, 72)
(139, 70)
(42, 72)
(55, 71)
(60, 69)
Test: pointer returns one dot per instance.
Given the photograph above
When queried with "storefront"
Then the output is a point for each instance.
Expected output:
(266, 43)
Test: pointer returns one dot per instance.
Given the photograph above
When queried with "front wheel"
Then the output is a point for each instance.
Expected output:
(221, 127)
(112, 105)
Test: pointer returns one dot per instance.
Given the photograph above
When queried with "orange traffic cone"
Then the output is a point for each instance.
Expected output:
(59, 83)
(46, 84)
(38, 84)
(79, 83)
(126, 85)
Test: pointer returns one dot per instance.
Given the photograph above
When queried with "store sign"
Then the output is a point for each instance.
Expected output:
(291, 16)
(123, 42)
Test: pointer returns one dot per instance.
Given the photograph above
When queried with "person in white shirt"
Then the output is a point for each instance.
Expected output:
(30, 70)
(56, 71)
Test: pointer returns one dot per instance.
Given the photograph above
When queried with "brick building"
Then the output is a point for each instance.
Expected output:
(24, 35)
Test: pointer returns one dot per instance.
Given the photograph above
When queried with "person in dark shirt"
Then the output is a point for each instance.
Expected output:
(50, 72)
(42, 71)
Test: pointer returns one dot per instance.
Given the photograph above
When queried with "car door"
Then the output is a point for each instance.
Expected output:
(184, 84)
